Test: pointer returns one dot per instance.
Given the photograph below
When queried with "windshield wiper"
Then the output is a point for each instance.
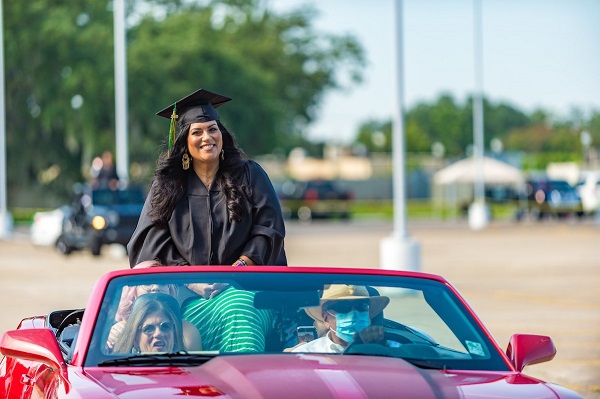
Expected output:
(181, 359)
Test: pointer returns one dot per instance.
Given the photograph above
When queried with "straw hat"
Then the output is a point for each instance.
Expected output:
(344, 292)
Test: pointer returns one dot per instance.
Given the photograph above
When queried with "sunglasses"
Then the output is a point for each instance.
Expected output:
(347, 306)
(166, 327)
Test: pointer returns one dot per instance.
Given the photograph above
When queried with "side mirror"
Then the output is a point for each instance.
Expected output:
(526, 349)
(37, 345)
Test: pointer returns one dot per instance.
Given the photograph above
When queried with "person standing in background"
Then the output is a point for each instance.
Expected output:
(104, 173)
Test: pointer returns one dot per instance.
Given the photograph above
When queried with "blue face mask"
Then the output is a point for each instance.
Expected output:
(348, 324)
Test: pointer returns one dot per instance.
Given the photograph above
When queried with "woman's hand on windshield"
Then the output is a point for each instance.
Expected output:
(114, 333)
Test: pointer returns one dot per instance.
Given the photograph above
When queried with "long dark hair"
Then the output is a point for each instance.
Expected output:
(143, 306)
(170, 180)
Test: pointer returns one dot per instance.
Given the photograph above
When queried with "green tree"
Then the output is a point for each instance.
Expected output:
(501, 119)
(376, 136)
(275, 67)
(58, 91)
(593, 127)
(60, 85)
(446, 122)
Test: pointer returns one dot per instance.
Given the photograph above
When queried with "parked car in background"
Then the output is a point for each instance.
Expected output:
(98, 217)
(46, 226)
(589, 191)
(547, 197)
(315, 199)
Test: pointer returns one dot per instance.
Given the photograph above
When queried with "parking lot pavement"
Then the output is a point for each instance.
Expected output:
(541, 278)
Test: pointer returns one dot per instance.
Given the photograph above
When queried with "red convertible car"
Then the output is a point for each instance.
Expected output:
(269, 332)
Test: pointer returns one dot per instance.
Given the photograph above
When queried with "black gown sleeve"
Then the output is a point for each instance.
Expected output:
(150, 242)
(265, 246)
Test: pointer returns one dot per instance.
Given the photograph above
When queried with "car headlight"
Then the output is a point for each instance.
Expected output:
(98, 222)
(555, 196)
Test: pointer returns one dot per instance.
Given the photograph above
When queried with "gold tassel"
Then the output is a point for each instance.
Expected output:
(172, 130)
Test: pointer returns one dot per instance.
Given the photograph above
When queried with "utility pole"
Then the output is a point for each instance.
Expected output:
(399, 251)
(478, 215)
(6, 220)
(122, 156)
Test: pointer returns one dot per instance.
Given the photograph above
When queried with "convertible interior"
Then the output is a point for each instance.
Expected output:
(65, 324)
(423, 318)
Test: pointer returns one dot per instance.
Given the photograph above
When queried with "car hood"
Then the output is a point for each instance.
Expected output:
(311, 376)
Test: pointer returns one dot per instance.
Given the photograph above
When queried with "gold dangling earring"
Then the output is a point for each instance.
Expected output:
(185, 161)
(222, 154)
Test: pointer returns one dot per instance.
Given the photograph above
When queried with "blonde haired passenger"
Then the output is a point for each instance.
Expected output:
(191, 335)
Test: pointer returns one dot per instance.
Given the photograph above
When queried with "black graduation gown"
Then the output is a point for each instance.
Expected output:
(199, 231)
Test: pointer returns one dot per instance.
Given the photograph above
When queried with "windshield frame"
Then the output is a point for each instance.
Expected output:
(297, 279)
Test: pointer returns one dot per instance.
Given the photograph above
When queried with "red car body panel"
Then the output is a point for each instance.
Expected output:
(267, 376)
(300, 376)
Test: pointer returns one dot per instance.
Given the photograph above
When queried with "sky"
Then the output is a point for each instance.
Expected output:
(536, 54)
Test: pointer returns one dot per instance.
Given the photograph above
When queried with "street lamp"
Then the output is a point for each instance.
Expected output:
(478, 217)
(438, 150)
(399, 251)
(496, 145)
(119, 19)
(586, 141)
(6, 220)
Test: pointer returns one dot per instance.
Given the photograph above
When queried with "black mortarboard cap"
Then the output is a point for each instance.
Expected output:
(196, 107)
(200, 105)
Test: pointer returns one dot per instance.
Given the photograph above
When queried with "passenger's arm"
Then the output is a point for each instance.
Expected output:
(191, 337)
(113, 335)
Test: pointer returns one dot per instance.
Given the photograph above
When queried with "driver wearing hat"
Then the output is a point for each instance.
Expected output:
(345, 310)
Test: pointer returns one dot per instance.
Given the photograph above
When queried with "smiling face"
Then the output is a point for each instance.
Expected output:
(157, 333)
(205, 142)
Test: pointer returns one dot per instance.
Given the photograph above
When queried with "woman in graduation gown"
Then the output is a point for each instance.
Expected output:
(208, 204)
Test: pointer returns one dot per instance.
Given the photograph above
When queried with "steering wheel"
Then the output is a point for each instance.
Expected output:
(387, 336)
(69, 319)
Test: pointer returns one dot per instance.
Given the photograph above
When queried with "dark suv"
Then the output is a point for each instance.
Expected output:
(99, 217)
(547, 197)
(315, 199)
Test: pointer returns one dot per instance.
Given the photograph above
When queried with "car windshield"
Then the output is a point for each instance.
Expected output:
(112, 197)
(152, 318)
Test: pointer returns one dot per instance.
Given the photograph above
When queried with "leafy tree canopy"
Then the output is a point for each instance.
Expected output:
(59, 66)
(450, 123)
(60, 78)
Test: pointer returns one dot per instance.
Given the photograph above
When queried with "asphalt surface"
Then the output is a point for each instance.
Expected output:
(541, 278)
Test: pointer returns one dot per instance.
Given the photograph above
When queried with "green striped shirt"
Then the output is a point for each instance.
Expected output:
(229, 322)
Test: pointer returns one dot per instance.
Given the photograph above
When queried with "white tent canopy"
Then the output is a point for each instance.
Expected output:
(494, 173)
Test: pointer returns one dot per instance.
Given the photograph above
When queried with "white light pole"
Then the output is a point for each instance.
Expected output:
(399, 251)
(121, 90)
(6, 220)
(478, 215)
